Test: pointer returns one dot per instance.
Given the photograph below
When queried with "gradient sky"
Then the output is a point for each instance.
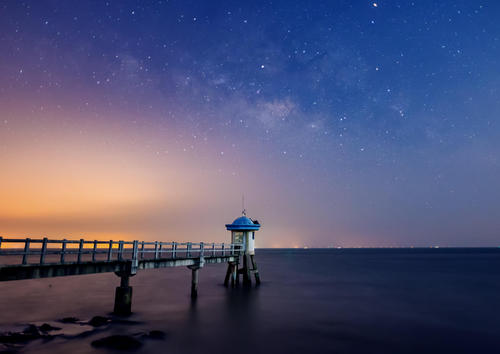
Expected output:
(344, 123)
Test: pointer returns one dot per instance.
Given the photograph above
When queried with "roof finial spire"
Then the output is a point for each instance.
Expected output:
(244, 211)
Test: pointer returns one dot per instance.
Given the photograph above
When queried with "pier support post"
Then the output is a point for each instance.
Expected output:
(123, 295)
(194, 282)
(231, 274)
(235, 278)
(228, 274)
(195, 276)
(249, 267)
(255, 270)
(247, 280)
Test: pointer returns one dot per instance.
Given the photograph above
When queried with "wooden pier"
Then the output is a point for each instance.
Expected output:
(44, 258)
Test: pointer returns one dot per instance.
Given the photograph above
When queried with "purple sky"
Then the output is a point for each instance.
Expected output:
(344, 123)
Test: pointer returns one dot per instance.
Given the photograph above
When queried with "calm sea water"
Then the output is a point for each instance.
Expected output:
(310, 301)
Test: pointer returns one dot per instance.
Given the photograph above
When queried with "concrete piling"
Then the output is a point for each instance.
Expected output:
(123, 296)
(194, 282)
(247, 280)
(235, 281)
(231, 274)
(255, 270)
(194, 275)
(229, 271)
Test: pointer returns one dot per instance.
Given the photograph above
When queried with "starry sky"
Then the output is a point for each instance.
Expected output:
(343, 123)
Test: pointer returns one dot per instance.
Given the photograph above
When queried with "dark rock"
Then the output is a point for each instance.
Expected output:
(28, 334)
(98, 321)
(69, 320)
(46, 328)
(31, 330)
(15, 340)
(117, 342)
(155, 335)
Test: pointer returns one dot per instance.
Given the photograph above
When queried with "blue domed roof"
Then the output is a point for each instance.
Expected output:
(243, 220)
(243, 223)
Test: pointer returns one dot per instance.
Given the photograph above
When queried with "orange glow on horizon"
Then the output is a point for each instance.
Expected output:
(121, 184)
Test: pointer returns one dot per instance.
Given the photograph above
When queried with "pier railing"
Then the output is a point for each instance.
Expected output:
(45, 251)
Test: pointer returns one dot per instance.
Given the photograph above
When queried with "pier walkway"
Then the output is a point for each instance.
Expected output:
(42, 258)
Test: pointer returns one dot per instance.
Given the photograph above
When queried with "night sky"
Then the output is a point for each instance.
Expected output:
(344, 123)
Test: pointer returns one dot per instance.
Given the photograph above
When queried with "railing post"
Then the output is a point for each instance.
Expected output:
(142, 250)
(94, 250)
(110, 250)
(159, 248)
(120, 250)
(188, 250)
(213, 249)
(174, 249)
(80, 248)
(43, 250)
(26, 250)
(1, 238)
(202, 249)
(135, 260)
(63, 250)
(156, 249)
(223, 250)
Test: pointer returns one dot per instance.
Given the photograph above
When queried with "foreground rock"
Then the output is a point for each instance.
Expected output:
(98, 321)
(72, 328)
(155, 335)
(47, 328)
(28, 334)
